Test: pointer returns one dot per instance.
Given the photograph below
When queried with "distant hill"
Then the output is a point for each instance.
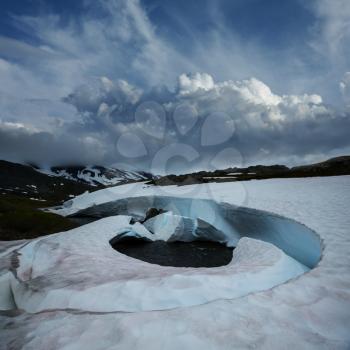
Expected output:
(331, 167)
(24, 180)
(60, 183)
(98, 175)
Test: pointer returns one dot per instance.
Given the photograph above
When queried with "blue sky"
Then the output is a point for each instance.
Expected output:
(279, 33)
(74, 73)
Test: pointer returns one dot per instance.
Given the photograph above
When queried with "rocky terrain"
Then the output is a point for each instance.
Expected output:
(26, 181)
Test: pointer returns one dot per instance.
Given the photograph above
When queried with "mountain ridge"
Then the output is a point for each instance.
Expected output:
(58, 184)
(63, 182)
(96, 175)
(331, 167)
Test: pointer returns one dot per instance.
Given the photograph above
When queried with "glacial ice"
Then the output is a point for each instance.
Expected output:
(79, 270)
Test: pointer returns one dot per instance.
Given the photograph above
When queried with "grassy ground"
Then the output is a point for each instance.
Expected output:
(20, 218)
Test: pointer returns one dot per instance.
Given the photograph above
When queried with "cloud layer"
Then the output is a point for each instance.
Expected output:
(109, 85)
(122, 123)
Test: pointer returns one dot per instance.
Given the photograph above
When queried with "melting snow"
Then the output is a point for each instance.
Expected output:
(78, 270)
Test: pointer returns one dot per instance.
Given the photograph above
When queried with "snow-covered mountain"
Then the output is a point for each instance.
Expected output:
(97, 175)
(60, 183)
(24, 180)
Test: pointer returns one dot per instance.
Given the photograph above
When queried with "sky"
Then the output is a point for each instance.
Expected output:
(174, 86)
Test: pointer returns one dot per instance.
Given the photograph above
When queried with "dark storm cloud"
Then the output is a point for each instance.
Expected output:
(43, 148)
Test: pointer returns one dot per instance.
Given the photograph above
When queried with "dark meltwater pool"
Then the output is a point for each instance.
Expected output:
(177, 254)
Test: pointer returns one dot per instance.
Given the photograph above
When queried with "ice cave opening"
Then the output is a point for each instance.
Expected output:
(164, 238)
(192, 219)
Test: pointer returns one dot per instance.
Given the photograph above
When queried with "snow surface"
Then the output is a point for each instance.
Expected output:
(308, 312)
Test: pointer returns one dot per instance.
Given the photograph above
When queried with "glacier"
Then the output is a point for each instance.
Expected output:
(286, 286)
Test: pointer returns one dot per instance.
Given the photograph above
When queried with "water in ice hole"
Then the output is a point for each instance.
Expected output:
(177, 242)
(177, 254)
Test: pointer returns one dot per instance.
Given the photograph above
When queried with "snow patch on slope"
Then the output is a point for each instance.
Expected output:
(97, 175)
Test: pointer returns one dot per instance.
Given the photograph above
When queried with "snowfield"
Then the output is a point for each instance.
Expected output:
(71, 290)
